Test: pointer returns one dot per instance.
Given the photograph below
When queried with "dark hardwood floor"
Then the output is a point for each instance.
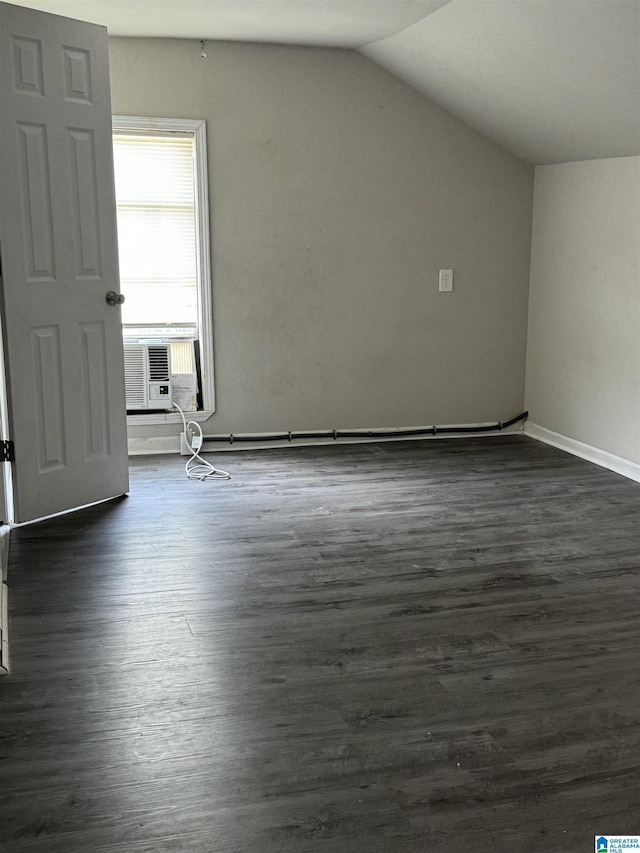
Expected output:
(383, 648)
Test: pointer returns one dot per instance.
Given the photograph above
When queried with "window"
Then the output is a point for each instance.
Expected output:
(162, 208)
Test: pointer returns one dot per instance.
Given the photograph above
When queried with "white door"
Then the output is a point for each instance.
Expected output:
(62, 341)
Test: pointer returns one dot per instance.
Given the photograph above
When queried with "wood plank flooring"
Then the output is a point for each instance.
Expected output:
(383, 648)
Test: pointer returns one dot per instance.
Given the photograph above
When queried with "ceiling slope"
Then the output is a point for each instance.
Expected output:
(326, 23)
(551, 80)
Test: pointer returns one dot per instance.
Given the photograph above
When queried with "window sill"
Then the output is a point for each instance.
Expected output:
(166, 418)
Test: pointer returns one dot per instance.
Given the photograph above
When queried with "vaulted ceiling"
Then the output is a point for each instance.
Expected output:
(551, 80)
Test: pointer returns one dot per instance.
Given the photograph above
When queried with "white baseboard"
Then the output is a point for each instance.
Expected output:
(585, 451)
(4, 629)
(171, 444)
(153, 445)
(5, 531)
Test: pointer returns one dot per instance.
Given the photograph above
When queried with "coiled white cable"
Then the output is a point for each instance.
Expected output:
(201, 470)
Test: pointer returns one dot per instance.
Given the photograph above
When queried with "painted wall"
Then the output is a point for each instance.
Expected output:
(583, 361)
(337, 192)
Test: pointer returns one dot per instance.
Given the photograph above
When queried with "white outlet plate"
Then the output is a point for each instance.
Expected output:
(446, 281)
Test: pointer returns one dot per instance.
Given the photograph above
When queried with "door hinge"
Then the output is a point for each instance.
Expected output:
(7, 451)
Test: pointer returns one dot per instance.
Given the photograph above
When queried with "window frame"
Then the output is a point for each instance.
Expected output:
(198, 128)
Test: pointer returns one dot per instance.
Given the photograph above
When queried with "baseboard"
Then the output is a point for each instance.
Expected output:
(171, 444)
(5, 531)
(585, 451)
(153, 445)
(4, 629)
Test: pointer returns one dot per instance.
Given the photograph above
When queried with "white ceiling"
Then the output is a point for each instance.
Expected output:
(551, 80)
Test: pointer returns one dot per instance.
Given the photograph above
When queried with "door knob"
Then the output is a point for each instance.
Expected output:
(113, 298)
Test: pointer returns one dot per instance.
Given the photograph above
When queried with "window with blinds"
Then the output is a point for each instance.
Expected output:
(157, 230)
(163, 235)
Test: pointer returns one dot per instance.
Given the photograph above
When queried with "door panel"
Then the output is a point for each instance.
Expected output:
(63, 343)
(84, 203)
(36, 207)
(49, 393)
(94, 363)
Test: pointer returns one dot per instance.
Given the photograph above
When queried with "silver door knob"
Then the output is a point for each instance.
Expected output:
(113, 298)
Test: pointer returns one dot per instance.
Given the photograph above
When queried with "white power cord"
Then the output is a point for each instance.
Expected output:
(197, 468)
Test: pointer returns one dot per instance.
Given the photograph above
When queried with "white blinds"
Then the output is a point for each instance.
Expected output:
(155, 199)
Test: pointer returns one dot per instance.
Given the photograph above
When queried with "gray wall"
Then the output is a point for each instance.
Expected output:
(337, 192)
(583, 359)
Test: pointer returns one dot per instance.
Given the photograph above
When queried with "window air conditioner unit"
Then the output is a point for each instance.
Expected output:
(147, 376)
